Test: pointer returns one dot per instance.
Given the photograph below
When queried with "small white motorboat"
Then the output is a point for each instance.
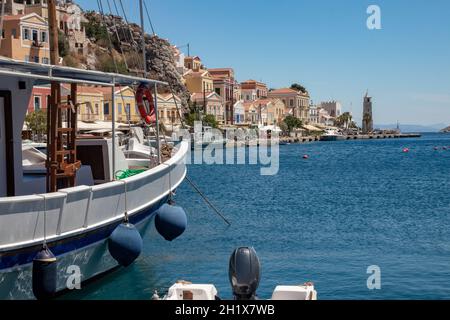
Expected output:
(244, 275)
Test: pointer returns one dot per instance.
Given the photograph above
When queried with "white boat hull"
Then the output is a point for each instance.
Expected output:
(78, 223)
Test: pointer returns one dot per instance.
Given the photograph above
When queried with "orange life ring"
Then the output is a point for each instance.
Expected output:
(147, 113)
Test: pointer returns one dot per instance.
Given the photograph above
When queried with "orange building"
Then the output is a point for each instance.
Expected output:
(26, 38)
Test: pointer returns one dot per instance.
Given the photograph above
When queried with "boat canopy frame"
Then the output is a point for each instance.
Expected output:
(46, 74)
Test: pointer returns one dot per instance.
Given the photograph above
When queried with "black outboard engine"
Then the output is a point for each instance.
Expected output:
(244, 273)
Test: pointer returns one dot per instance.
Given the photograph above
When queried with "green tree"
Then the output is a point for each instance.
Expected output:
(210, 120)
(96, 30)
(298, 87)
(37, 122)
(292, 123)
(344, 120)
(105, 63)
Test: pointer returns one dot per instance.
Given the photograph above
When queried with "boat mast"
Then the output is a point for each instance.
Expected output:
(144, 56)
(55, 96)
(61, 142)
(144, 51)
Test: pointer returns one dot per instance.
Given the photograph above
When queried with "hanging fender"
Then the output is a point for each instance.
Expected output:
(144, 93)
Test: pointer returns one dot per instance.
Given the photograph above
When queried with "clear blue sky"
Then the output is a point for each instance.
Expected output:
(326, 46)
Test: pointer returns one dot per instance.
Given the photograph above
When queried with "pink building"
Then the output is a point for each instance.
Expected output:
(39, 98)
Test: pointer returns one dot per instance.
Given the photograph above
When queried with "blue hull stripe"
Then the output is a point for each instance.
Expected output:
(26, 255)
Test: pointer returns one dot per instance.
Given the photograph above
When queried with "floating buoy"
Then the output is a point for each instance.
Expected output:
(170, 221)
(305, 157)
(406, 150)
(436, 148)
(44, 274)
(444, 148)
(125, 244)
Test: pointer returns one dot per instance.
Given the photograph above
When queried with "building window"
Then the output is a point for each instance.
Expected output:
(45, 61)
(218, 91)
(119, 107)
(37, 103)
(44, 36)
(27, 58)
(97, 109)
(35, 36)
(13, 33)
(3, 33)
(106, 108)
(26, 34)
(36, 59)
(128, 111)
(291, 102)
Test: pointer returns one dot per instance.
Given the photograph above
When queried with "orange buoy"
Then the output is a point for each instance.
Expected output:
(405, 150)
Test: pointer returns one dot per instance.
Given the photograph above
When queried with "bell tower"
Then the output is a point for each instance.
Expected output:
(367, 124)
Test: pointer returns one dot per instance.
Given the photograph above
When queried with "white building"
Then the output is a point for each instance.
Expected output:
(239, 112)
(313, 114)
(334, 108)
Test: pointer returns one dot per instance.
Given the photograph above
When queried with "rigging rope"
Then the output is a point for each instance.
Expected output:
(148, 17)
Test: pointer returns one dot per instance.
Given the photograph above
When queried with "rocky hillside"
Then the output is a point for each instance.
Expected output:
(446, 130)
(127, 53)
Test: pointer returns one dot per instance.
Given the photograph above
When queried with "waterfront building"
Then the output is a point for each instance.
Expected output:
(90, 100)
(25, 37)
(367, 124)
(223, 81)
(193, 63)
(252, 90)
(125, 105)
(324, 117)
(69, 18)
(313, 114)
(272, 111)
(334, 108)
(239, 112)
(295, 101)
(39, 98)
(211, 103)
(169, 114)
(252, 113)
(199, 81)
(179, 60)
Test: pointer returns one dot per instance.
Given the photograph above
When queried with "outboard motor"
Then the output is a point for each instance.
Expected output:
(244, 273)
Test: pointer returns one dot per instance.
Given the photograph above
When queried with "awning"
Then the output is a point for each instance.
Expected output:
(311, 128)
(98, 125)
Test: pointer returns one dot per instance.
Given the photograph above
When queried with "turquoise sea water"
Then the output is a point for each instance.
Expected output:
(353, 204)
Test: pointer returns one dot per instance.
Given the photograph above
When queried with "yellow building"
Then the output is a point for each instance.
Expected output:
(125, 103)
(169, 114)
(199, 81)
(90, 100)
(193, 63)
(26, 38)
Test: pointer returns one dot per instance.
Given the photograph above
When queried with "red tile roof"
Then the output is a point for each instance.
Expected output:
(12, 18)
(283, 91)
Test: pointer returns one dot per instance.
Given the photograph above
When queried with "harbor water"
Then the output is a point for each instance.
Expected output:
(351, 205)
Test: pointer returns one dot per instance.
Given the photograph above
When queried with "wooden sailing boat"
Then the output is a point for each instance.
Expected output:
(73, 202)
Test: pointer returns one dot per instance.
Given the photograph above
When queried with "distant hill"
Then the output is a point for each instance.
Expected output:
(413, 127)
(446, 129)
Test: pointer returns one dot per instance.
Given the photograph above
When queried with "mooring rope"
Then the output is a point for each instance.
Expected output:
(212, 206)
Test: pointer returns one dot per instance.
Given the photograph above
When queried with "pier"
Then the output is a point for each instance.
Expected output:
(351, 137)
